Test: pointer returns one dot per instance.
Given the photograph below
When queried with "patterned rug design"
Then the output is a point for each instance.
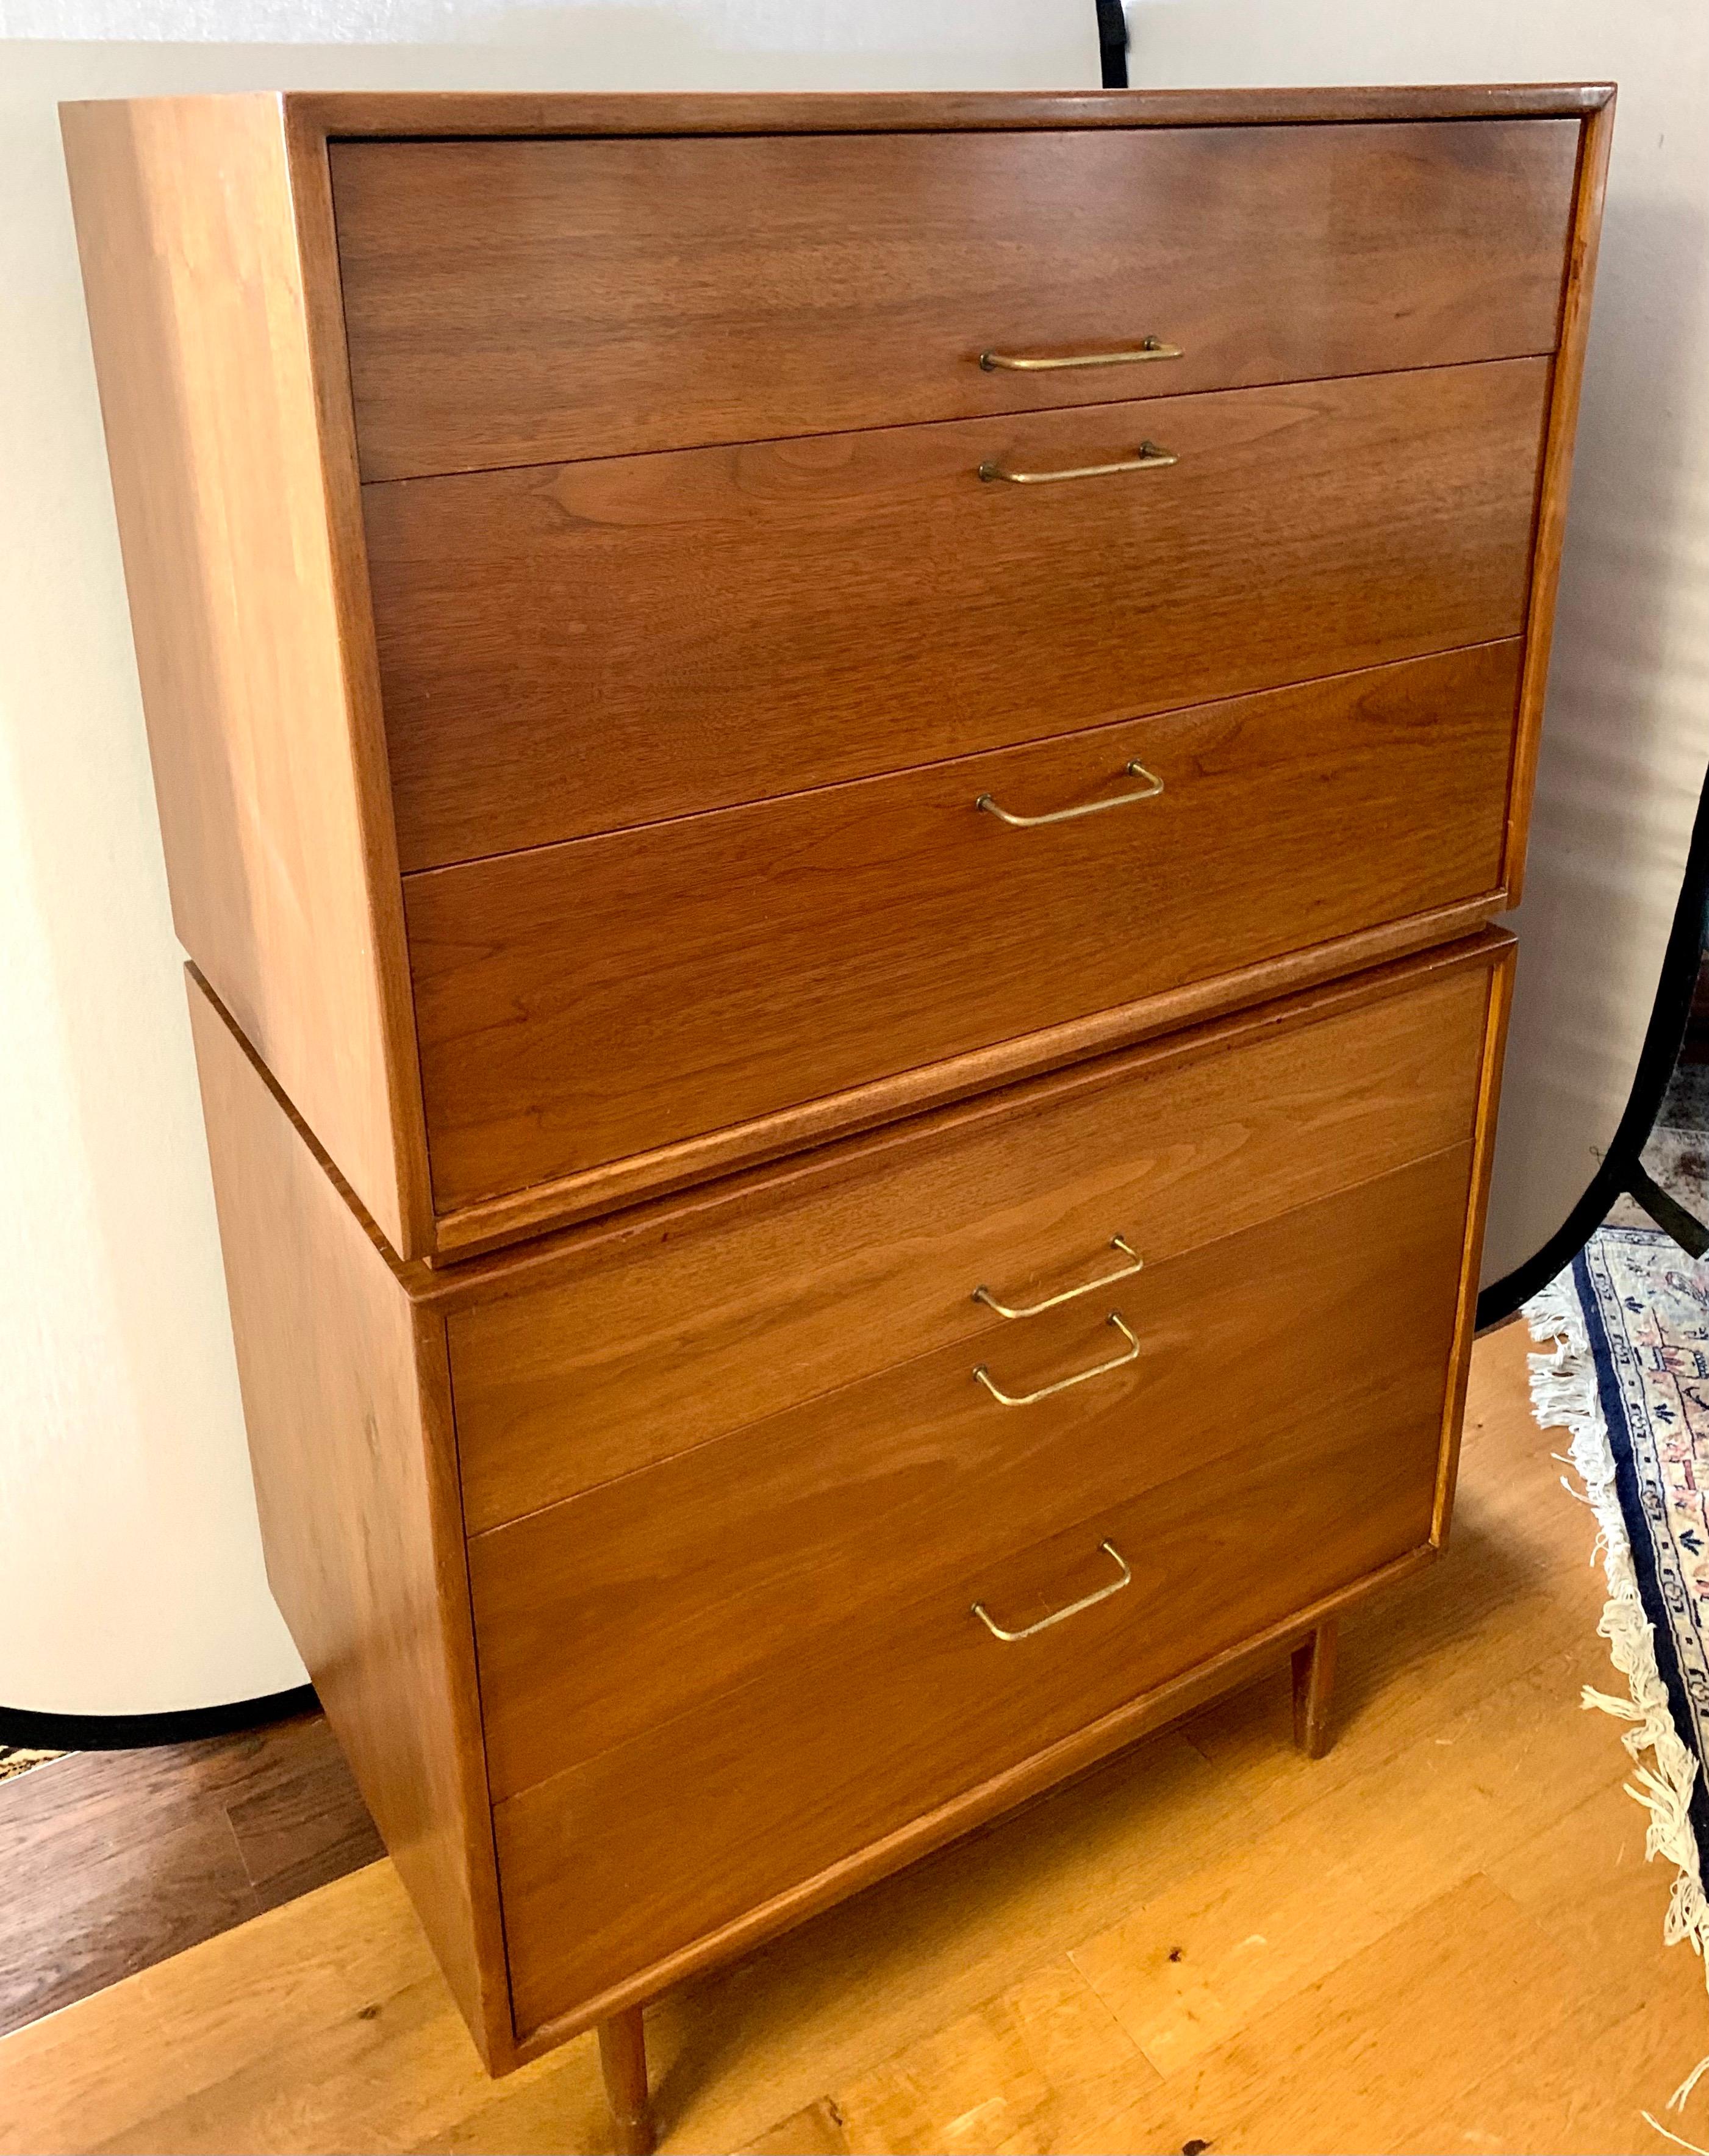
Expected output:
(1628, 1376)
(19, 1759)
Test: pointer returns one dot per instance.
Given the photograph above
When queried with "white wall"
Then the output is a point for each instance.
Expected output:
(129, 1576)
(596, 44)
(129, 1568)
(1627, 729)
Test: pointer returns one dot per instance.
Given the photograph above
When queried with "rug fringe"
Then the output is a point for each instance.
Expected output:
(1668, 2134)
(1563, 1393)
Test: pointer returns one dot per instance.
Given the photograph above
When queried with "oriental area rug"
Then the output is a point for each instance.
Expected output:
(1627, 1374)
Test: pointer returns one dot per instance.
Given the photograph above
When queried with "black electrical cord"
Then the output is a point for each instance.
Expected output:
(1112, 44)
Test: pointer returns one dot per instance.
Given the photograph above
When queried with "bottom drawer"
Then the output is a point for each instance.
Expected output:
(609, 1865)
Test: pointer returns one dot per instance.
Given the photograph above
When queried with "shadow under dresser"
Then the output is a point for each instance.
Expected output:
(836, 771)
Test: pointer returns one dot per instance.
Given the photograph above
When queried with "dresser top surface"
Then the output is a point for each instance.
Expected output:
(348, 113)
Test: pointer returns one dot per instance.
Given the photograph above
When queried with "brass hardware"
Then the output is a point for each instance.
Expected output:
(1148, 791)
(1099, 1370)
(1149, 347)
(1150, 458)
(1032, 1309)
(1056, 1616)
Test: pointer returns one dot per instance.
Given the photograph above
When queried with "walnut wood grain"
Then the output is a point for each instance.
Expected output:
(580, 647)
(618, 1350)
(1262, 1654)
(577, 1250)
(1314, 1690)
(518, 303)
(560, 1030)
(206, 305)
(623, 2060)
(492, 1224)
(618, 1611)
(1501, 1005)
(1556, 479)
(356, 114)
(837, 1743)
(348, 1413)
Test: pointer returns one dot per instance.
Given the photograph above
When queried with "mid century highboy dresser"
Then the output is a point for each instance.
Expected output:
(836, 771)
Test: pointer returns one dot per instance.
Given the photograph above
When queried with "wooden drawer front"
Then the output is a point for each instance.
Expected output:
(508, 303)
(616, 1609)
(582, 647)
(719, 1314)
(583, 1004)
(1283, 1443)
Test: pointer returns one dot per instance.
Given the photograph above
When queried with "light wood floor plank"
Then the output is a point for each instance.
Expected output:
(1351, 2062)
(1027, 2070)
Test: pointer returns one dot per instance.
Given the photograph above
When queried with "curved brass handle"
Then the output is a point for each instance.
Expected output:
(1149, 347)
(1069, 1294)
(1149, 792)
(1150, 458)
(1098, 1370)
(1056, 1616)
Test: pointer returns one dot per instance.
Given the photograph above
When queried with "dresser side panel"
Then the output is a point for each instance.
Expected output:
(1489, 1102)
(278, 849)
(1556, 477)
(347, 1405)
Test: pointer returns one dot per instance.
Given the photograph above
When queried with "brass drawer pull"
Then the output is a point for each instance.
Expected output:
(1099, 1370)
(1019, 363)
(1056, 1616)
(1150, 458)
(1068, 1295)
(1149, 792)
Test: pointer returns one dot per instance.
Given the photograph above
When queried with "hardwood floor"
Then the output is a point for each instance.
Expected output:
(1441, 1937)
(114, 1861)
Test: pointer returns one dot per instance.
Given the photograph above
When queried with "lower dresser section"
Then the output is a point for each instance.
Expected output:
(1278, 1439)
(669, 1576)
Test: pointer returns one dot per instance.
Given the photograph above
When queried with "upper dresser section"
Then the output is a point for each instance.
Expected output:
(675, 628)
(530, 302)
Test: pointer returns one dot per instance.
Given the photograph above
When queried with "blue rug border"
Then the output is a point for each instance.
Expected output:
(1619, 1442)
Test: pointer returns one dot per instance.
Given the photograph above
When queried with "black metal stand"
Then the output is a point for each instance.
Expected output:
(1112, 44)
(1621, 1172)
(27, 1730)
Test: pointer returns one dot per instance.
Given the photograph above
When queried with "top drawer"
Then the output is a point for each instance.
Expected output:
(528, 301)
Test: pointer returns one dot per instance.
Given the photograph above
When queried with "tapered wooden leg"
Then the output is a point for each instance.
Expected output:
(1314, 1690)
(623, 2053)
